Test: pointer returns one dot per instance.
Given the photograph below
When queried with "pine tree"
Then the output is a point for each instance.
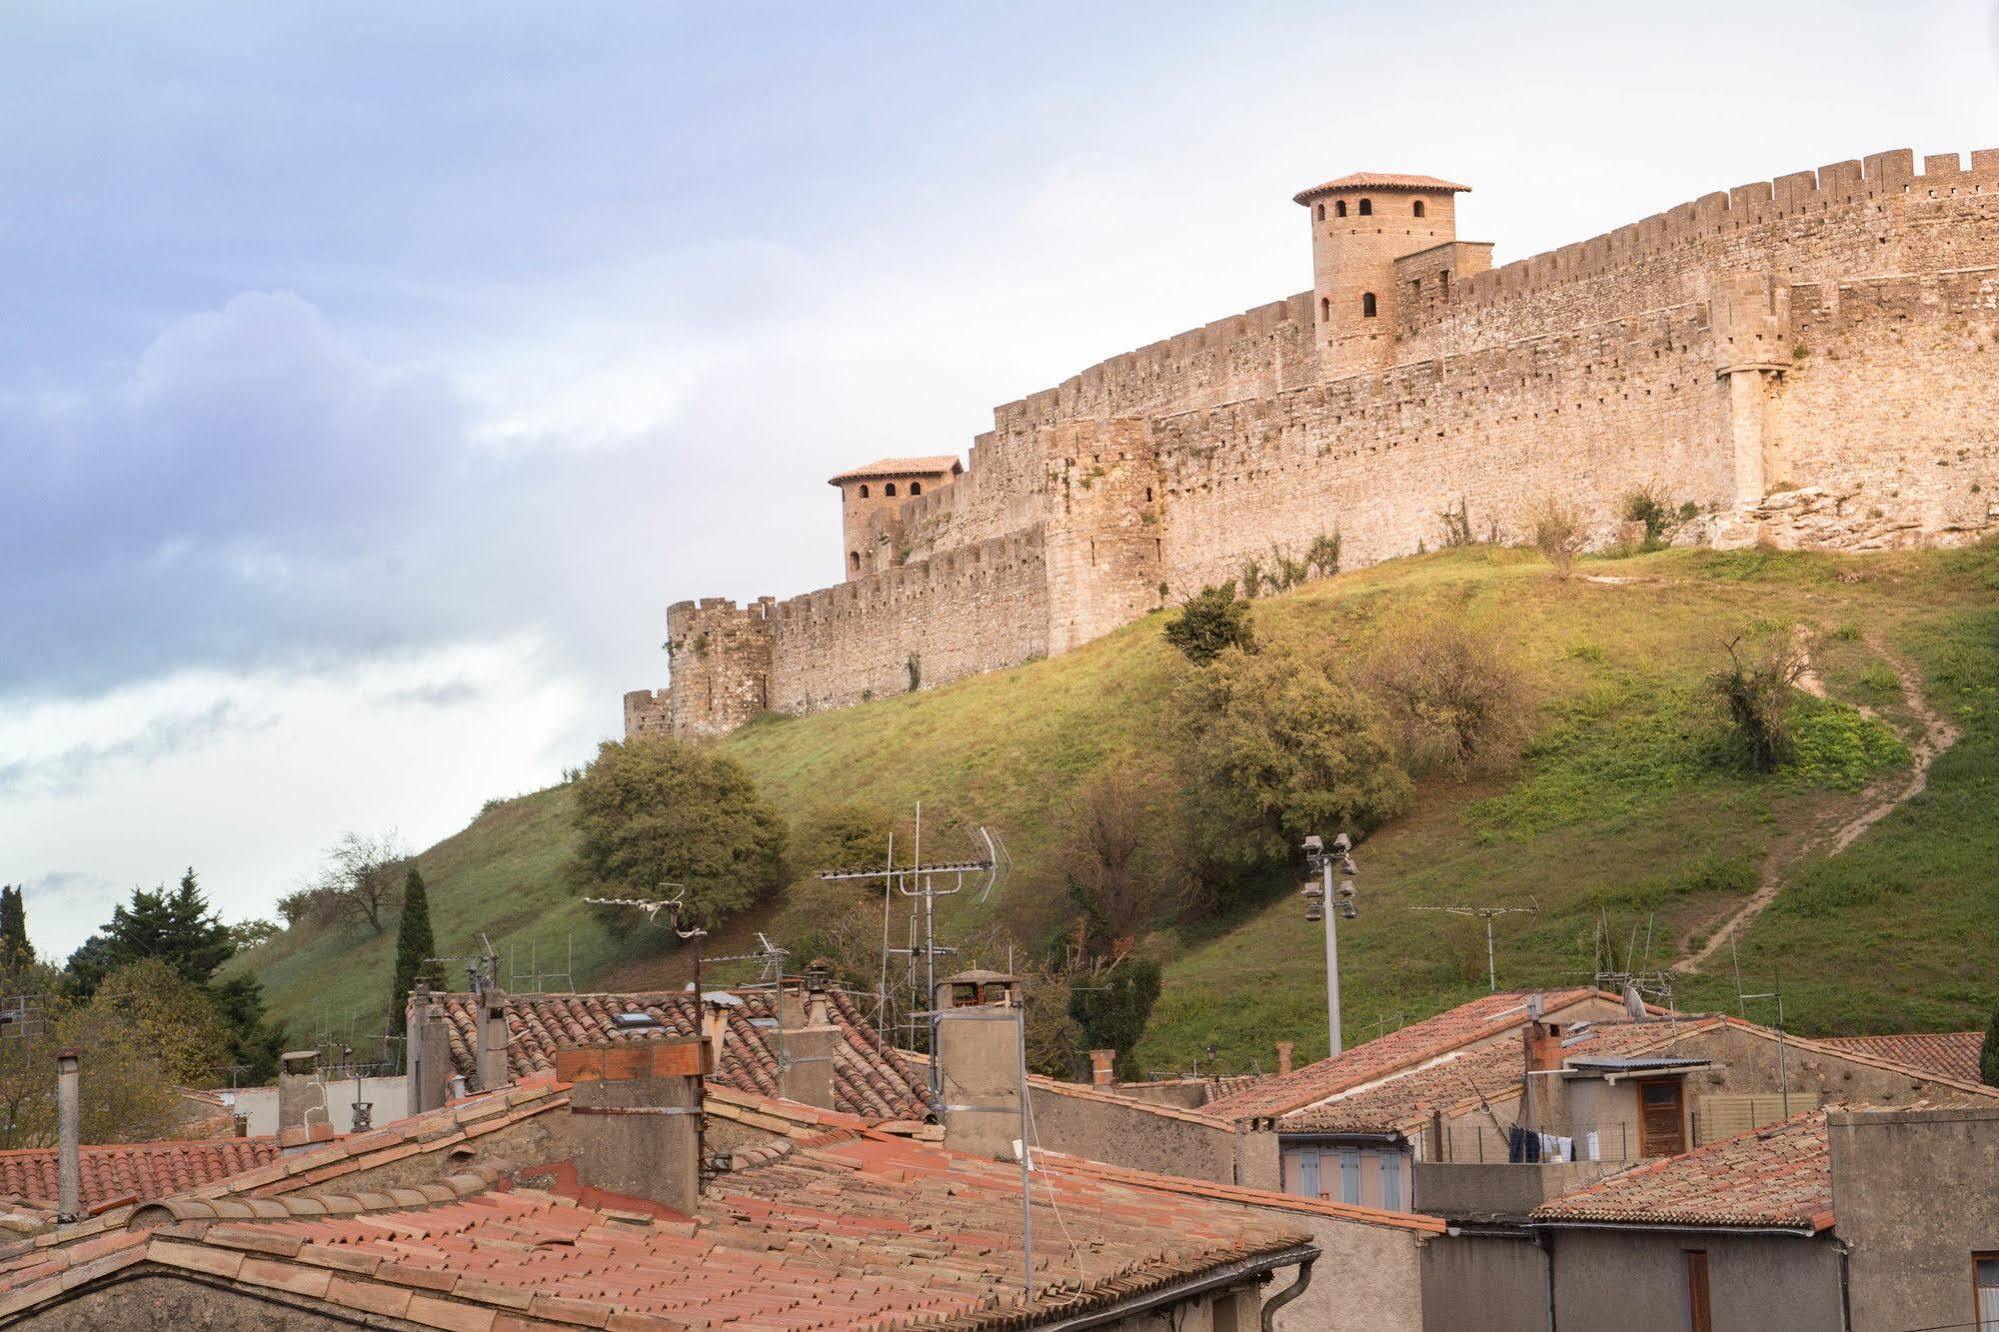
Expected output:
(414, 945)
(16, 953)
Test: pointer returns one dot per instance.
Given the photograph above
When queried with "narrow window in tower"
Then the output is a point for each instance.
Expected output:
(854, 560)
(1444, 281)
(889, 490)
(1418, 208)
(864, 490)
(1367, 208)
(916, 487)
(1367, 305)
(1325, 308)
(1340, 208)
(1322, 212)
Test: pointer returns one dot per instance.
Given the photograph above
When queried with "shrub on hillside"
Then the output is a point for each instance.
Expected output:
(657, 811)
(1756, 690)
(1559, 532)
(1453, 693)
(1277, 748)
(843, 836)
(1120, 876)
(1111, 1007)
(1210, 622)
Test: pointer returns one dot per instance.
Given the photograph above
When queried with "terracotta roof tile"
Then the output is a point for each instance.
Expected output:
(1380, 180)
(1479, 1020)
(131, 1172)
(919, 467)
(1950, 1054)
(867, 1080)
(1779, 1175)
(1462, 1077)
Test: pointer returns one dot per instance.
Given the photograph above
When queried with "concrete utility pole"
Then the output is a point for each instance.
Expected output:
(1322, 899)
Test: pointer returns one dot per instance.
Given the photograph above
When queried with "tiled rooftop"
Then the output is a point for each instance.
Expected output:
(833, 1226)
(919, 467)
(1779, 1175)
(1950, 1054)
(1381, 180)
(1420, 1041)
(130, 1172)
(867, 1081)
(1405, 1098)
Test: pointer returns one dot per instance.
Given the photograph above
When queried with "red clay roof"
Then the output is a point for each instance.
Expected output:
(1463, 1077)
(867, 1081)
(1380, 180)
(1458, 1027)
(918, 467)
(1778, 1175)
(849, 1228)
(131, 1172)
(1950, 1054)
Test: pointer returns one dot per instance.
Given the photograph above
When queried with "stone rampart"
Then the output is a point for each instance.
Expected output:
(1809, 361)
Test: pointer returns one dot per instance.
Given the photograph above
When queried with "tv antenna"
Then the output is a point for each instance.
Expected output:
(919, 882)
(670, 907)
(1486, 914)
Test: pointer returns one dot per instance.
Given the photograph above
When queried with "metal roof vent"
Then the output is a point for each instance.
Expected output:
(633, 1021)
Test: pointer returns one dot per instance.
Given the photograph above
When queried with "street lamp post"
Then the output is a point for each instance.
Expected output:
(1323, 899)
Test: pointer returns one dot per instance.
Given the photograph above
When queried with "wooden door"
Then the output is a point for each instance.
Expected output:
(1662, 1118)
(1700, 1319)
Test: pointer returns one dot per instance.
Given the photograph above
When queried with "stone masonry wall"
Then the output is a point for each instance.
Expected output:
(1810, 361)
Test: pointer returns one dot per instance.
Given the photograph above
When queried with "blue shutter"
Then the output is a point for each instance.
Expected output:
(1308, 1172)
(1349, 1175)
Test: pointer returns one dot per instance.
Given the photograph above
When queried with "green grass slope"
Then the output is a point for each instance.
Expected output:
(1612, 815)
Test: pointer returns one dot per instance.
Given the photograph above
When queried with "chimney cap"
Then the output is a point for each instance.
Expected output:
(293, 1056)
(69, 1053)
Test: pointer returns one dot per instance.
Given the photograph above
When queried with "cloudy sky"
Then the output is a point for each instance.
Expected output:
(371, 376)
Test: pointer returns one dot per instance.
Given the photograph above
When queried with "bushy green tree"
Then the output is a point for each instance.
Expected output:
(1278, 747)
(1210, 622)
(1112, 1007)
(415, 945)
(843, 836)
(655, 810)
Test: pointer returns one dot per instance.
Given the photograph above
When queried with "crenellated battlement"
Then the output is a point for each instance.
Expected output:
(1831, 335)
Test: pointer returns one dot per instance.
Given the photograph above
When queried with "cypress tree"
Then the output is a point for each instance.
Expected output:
(16, 952)
(1988, 1054)
(414, 943)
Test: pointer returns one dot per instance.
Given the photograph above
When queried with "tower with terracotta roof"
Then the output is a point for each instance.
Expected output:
(871, 500)
(1362, 224)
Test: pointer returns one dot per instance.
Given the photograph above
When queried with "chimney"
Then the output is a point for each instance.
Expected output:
(491, 1065)
(1103, 1065)
(69, 1130)
(635, 1117)
(300, 1091)
(979, 1062)
(1542, 1044)
(1284, 1049)
(429, 1051)
(807, 1053)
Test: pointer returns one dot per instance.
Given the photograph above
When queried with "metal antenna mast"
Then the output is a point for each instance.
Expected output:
(1485, 913)
(918, 881)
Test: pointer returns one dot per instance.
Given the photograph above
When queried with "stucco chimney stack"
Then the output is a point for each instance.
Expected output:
(69, 1136)
(299, 1088)
(978, 1059)
(636, 1117)
(1284, 1049)
(1102, 1064)
(492, 1035)
(808, 1044)
(429, 1051)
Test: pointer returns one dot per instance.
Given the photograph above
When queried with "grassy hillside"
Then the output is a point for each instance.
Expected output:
(1613, 815)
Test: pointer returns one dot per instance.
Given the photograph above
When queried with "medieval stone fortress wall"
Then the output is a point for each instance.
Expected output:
(1811, 361)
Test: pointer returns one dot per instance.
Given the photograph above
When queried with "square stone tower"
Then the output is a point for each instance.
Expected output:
(1361, 224)
(871, 498)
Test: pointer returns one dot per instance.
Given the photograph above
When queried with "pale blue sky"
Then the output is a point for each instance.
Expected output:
(372, 376)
